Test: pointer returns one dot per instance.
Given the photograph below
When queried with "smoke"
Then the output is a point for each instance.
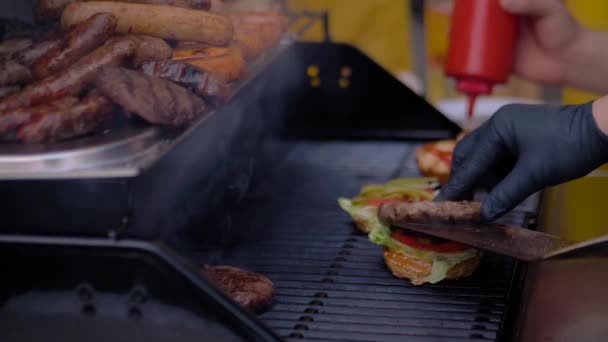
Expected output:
(189, 197)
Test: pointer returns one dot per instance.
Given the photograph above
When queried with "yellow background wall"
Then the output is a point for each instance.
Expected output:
(381, 28)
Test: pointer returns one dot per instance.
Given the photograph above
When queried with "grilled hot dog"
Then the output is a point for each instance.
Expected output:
(151, 49)
(72, 80)
(82, 39)
(156, 20)
(12, 73)
(14, 118)
(51, 9)
(66, 122)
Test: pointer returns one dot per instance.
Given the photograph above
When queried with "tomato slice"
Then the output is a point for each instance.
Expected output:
(446, 247)
(444, 155)
(380, 201)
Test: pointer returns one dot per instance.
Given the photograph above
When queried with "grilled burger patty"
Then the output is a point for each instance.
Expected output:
(427, 211)
(424, 259)
(250, 290)
(155, 100)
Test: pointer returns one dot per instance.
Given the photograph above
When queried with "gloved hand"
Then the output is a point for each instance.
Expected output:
(523, 149)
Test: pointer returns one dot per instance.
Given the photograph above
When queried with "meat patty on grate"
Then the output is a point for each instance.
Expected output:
(250, 290)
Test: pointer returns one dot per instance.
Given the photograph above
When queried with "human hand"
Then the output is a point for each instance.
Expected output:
(548, 36)
(525, 148)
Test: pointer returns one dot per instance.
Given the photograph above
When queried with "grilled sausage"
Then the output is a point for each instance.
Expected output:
(14, 118)
(6, 91)
(226, 63)
(81, 40)
(427, 211)
(11, 46)
(151, 49)
(28, 55)
(156, 20)
(67, 122)
(153, 99)
(72, 80)
(12, 73)
(210, 88)
(51, 9)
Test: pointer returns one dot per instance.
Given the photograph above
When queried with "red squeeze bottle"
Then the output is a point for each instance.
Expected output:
(481, 52)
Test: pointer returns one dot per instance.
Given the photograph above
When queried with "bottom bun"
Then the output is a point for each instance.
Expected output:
(418, 270)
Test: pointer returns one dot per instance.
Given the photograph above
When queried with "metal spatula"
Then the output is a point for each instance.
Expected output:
(520, 243)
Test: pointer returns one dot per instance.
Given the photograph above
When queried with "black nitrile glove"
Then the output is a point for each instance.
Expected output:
(523, 149)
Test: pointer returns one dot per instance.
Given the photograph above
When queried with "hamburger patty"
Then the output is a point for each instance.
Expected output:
(250, 290)
(427, 211)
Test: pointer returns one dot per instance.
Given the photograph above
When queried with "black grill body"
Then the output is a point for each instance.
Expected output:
(332, 283)
(256, 186)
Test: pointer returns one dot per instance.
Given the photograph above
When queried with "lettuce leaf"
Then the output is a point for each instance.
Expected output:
(442, 262)
(367, 216)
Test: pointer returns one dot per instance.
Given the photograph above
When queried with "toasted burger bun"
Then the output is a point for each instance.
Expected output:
(418, 270)
(430, 164)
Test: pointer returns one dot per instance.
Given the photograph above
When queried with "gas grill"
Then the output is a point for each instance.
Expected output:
(118, 255)
(332, 283)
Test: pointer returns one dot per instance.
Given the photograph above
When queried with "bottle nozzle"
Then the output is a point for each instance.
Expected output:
(470, 104)
(473, 88)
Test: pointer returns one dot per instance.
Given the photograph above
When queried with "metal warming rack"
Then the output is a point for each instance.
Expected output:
(109, 237)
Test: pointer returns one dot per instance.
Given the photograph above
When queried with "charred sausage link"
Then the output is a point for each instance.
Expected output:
(72, 80)
(67, 122)
(14, 118)
(51, 9)
(12, 73)
(81, 40)
(30, 54)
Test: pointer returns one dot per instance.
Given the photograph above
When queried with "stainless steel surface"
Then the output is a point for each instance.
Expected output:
(565, 300)
(115, 154)
(523, 244)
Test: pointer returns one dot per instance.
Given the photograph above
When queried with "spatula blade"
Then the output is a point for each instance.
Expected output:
(520, 243)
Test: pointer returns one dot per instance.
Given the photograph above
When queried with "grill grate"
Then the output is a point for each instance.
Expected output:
(331, 282)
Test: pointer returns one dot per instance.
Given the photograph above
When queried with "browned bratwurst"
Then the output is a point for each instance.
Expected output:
(82, 39)
(151, 49)
(14, 118)
(8, 90)
(72, 80)
(153, 99)
(13, 45)
(12, 73)
(30, 54)
(214, 90)
(68, 122)
(167, 22)
(51, 9)
(429, 212)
